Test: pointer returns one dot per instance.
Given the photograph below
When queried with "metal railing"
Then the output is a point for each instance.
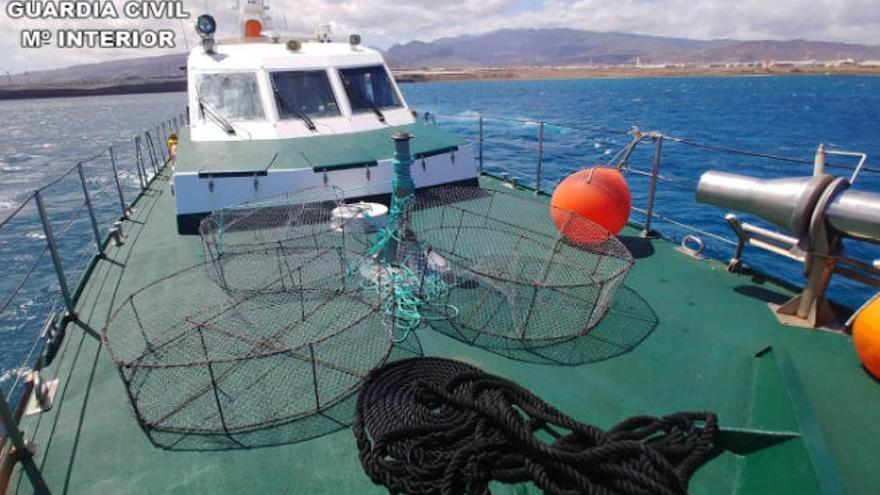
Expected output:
(535, 142)
(58, 232)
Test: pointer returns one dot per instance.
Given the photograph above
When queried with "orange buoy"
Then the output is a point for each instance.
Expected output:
(598, 194)
(866, 336)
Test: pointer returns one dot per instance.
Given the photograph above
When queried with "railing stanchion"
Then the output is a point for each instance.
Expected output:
(24, 451)
(118, 185)
(89, 207)
(819, 163)
(480, 158)
(151, 150)
(53, 250)
(137, 163)
(161, 151)
(652, 189)
(540, 158)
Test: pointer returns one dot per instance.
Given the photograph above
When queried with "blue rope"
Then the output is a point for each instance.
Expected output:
(391, 230)
(410, 297)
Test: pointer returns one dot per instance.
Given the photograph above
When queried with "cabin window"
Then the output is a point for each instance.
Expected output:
(369, 88)
(233, 96)
(300, 93)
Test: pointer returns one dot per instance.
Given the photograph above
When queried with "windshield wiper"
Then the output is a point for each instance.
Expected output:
(361, 99)
(286, 104)
(206, 109)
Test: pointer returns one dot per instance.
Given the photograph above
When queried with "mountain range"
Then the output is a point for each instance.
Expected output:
(561, 47)
(505, 48)
(162, 67)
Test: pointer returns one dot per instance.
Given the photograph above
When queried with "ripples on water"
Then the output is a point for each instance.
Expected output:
(39, 140)
(784, 115)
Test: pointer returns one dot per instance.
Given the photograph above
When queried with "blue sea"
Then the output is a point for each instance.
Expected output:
(586, 125)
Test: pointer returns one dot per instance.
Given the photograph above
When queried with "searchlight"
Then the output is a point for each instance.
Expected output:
(206, 26)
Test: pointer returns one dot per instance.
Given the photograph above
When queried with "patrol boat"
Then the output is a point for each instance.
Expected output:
(473, 337)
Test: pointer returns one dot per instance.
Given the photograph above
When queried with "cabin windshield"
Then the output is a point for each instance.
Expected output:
(233, 96)
(368, 88)
(300, 93)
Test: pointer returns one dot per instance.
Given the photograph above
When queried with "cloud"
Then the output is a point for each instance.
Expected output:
(385, 22)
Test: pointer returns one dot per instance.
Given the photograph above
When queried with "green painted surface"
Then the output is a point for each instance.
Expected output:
(700, 356)
(332, 151)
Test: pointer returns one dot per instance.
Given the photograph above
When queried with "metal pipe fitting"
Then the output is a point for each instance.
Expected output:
(787, 203)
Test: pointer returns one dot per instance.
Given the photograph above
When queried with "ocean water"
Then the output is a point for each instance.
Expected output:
(39, 141)
(790, 116)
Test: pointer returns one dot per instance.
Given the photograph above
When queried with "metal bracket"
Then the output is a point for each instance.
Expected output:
(30, 450)
(43, 396)
(51, 331)
(117, 234)
(692, 246)
(810, 309)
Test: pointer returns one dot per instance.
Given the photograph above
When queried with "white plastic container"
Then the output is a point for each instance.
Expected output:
(359, 217)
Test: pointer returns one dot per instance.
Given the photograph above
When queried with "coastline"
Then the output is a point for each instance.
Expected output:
(97, 89)
(439, 75)
(621, 72)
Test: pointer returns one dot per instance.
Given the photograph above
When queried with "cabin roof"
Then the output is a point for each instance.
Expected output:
(267, 55)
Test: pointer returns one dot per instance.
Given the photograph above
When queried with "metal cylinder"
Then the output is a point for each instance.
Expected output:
(402, 183)
(787, 203)
(856, 214)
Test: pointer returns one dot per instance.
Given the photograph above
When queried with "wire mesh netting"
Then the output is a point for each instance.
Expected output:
(289, 313)
(512, 271)
(272, 240)
(203, 361)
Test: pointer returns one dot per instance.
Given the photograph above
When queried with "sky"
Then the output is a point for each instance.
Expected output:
(383, 23)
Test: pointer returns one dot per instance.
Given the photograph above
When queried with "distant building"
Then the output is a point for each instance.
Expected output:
(841, 63)
(793, 63)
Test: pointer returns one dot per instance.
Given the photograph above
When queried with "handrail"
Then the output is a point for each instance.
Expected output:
(91, 197)
(654, 175)
(680, 140)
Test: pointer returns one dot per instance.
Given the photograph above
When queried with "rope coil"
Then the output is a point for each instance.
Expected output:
(436, 426)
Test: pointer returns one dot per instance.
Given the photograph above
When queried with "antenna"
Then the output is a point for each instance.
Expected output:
(183, 32)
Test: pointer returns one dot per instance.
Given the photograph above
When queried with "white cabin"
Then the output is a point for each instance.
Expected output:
(272, 115)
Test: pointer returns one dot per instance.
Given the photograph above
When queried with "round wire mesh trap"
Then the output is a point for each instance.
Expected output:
(195, 359)
(256, 245)
(510, 278)
(282, 269)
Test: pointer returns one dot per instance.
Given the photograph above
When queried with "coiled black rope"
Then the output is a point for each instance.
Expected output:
(436, 426)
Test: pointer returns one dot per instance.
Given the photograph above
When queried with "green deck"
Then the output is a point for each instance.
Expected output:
(700, 356)
(318, 152)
